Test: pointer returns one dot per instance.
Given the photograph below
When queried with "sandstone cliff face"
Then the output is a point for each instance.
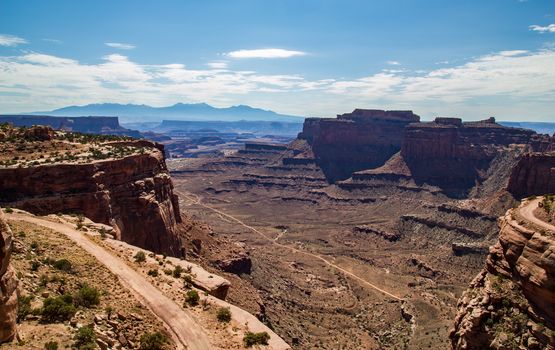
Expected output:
(8, 285)
(511, 303)
(354, 141)
(533, 175)
(134, 194)
(454, 155)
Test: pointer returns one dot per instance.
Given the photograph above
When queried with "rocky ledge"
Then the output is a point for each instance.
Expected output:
(8, 285)
(124, 184)
(511, 303)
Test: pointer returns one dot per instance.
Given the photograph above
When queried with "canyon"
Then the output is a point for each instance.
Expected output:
(362, 232)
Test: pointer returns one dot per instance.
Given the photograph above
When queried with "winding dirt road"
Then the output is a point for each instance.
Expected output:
(527, 212)
(185, 331)
(196, 200)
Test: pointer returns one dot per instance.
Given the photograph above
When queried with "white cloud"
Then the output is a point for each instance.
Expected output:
(11, 40)
(121, 46)
(265, 53)
(217, 65)
(393, 63)
(543, 29)
(514, 84)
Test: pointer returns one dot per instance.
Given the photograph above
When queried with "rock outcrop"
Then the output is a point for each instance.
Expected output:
(134, 194)
(8, 285)
(354, 141)
(533, 175)
(511, 303)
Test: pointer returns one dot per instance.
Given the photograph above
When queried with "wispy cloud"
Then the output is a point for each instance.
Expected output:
(55, 41)
(265, 53)
(508, 84)
(11, 40)
(121, 46)
(394, 63)
(543, 29)
(217, 65)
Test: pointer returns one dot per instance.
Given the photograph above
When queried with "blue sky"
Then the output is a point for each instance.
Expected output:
(471, 59)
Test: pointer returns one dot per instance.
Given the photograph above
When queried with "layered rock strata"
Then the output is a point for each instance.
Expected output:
(511, 303)
(354, 141)
(134, 194)
(8, 285)
(533, 175)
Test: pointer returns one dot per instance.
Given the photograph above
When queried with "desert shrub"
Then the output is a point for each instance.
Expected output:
(152, 341)
(188, 279)
(153, 273)
(177, 271)
(251, 339)
(85, 338)
(62, 265)
(34, 245)
(192, 298)
(223, 314)
(8, 210)
(87, 296)
(24, 307)
(35, 265)
(51, 345)
(59, 308)
(168, 271)
(140, 256)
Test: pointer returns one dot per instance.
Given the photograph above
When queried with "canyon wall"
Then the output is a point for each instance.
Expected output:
(511, 303)
(134, 194)
(354, 141)
(533, 175)
(8, 285)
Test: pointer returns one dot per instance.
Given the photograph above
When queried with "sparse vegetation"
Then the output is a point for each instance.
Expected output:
(153, 341)
(251, 339)
(51, 345)
(87, 296)
(62, 265)
(24, 307)
(58, 308)
(140, 257)
(153, 272)
(192, 298)
(223, 314)
(85, 338)
(8, 210)
(177, 271)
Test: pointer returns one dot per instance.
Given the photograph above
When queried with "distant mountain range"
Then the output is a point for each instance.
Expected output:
(179, 111)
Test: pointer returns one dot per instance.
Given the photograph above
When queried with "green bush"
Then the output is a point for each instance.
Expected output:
(59, 308)
(85, 338)
(62, 265)
(192, 298)
(51, 345)
(177, 271)
(251, 339)
(24, 307)
(87, 296)
(140, 256)
(8, 210)
(153, 273)
(224, 314)
(153, 341)
(35, 265)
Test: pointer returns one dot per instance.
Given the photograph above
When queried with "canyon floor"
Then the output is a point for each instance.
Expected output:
(322, 284)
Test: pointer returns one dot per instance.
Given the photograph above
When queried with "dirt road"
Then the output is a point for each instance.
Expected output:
(186, 332)
(196, 200)
(527, 212)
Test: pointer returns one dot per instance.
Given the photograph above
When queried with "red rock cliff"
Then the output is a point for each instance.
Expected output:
(354, 141)
(8, 285)
(511, 303)
(533, 175)
(134, 194)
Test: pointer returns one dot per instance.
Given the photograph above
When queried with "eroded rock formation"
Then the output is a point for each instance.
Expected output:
(354, 141)
(511, 303)
(533, 175)
(8, 285)
(134, 194)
